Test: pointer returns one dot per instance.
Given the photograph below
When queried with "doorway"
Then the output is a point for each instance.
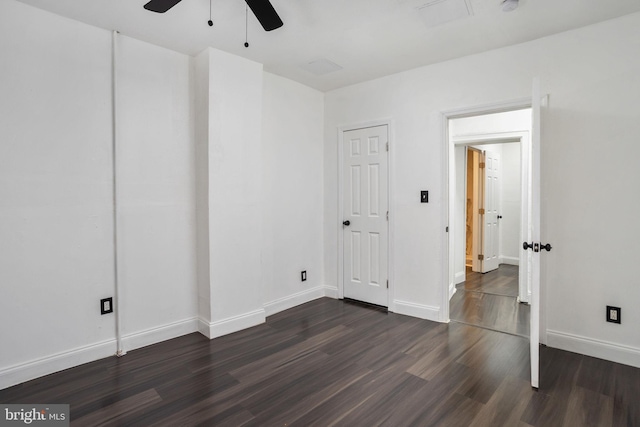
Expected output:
(490, 216)
(488, 211)
(530, 264)
(499, 147)
(505, 126)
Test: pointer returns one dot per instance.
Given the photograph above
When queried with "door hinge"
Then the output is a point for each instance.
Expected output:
(387, 284)
(481, 211)
(481, 166)
(481, 257)
(387, 146)
(387, 215)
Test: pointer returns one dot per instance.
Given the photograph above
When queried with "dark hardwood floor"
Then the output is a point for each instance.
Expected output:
(333, 363)
(490, 301)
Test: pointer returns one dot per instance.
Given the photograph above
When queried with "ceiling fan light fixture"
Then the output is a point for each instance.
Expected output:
(509, 5)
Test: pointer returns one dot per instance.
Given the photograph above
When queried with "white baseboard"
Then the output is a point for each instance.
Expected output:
(460, 277)
(159, 334)
(331, 292)
(58, 362)
(595, 348)
(294, 300)
(452, 291)
(417, 310)
(231, 324)
(509, 260)
(48, 365)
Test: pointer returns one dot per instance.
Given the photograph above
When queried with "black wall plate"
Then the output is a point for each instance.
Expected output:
(106, 305)
(613, 314)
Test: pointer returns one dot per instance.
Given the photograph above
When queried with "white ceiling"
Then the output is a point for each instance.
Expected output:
(367, 38)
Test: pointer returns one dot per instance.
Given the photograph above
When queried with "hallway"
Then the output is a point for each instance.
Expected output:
(490, 301)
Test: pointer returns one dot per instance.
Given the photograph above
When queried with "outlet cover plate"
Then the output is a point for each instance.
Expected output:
(106, 305)
(613, 314)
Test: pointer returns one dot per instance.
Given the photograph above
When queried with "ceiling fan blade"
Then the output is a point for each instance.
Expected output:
(266, 14)
(161, 6)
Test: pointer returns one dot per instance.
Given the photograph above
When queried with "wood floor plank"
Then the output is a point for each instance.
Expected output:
(589, 409)
(112, 414)
(625, 393)
(383, 401)
(447, 351)
(294, 411)
(490, 301)
(596, 375)
(503, 281)
(454, 410)
(507, 404)
(265, 365)
(334, 409)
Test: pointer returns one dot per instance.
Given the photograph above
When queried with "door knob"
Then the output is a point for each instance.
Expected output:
(346, 223)
(499, 216)
(526, 245)
(546, 247)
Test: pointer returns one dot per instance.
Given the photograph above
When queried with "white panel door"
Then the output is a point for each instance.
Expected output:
(491, 231)
(534, 234)
(365, 221)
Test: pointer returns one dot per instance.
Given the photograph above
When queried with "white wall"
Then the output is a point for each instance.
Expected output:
(56, 253)
(234, 200)
(509, 121)
(292, 135)
(56, 226)
(591, 74)
(156, 191)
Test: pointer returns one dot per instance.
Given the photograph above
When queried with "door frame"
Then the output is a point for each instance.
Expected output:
(523, 138)
(390, 224)
(448, 179)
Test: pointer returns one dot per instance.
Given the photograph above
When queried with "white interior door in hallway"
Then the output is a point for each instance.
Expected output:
(491, 216)
(365, 214)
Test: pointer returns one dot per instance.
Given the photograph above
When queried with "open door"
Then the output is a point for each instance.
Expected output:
(490, 211)
(532, 245)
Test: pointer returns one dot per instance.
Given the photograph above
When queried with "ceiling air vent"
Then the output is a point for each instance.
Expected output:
(442, 11)
(321, 66)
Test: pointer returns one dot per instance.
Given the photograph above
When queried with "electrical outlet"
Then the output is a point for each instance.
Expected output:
(613, 314)
(106, 305)
(303, 276)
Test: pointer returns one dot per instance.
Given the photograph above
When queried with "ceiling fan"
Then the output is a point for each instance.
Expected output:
(262, 9)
